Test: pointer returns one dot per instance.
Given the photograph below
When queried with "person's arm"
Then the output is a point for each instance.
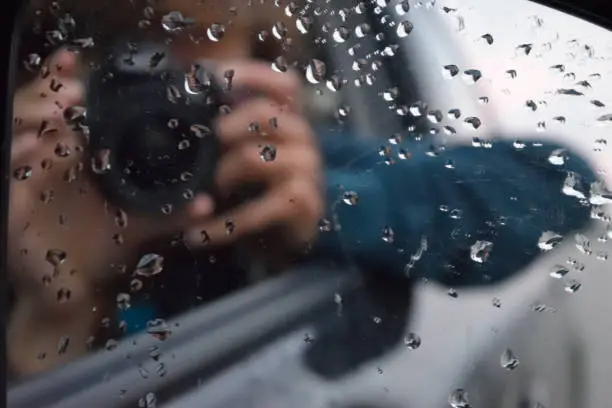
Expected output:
(421, 215)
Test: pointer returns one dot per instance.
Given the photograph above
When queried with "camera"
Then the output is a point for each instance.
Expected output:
(150, 127)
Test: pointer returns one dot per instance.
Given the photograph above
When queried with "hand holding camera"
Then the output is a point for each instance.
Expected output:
(70, 231)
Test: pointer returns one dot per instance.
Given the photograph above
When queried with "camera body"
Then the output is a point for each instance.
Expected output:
(150, 121)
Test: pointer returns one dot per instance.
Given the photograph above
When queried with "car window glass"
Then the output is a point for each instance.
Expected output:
(168, 154)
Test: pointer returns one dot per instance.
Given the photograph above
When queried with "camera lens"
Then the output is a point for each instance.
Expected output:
(155, 150)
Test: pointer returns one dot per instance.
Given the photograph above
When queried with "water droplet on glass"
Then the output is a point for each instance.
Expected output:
(362, 30)
(496, 302)
(417, 109)
(22, 173)
(549, 240)
(56, 257)
(341, 34)
(572, 186)
(123, 301)
(558, 271)
(110, 344)
(62, 150)
(488, 38)
(583, 244)
(524, 49)
(471, 76)
(279, 30)
(215, 32)
(100, 162)
(148, 401)
(350, 198)
(304, 24)
(459, 399)
(450, 71)
(46, 196)
(230, 226)
(280, 64)
(315, 72)
(184, 144)
(480, 250)
(557, 157)
(412, 341)
(404, 28)
(174, 22)
(268, 153)
(390, 94)
(572, 286)
(63, 295)
(325, 225)
(33, 62)
(135, 285)
(159, 329)
(473, 122)
(121, 219)
(508, 360)
(166, 209)
(388, 235)
(200, 131)
(454, 114)
(149, 265)
(62, 345)
(402, 8)
(435, 116)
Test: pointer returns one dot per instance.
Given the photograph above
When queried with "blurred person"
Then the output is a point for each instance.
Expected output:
(418, 216)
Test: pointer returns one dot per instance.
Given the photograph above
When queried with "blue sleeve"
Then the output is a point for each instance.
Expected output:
(462, 216)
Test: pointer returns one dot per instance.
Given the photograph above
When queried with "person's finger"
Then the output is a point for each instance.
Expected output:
(22, 147)
(253, 162)
(296, 200)
(200, 207)
(261, 117)
(259, 77)
(41, 107)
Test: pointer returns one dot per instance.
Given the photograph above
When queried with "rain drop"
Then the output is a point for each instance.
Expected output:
(508, 360)
(174, 22)
(572, 286)
(215, 32)
(388, 235)
(350, 198)
(558, 271)
(150, 265)
(412, 341)
(200, 131)
(480, 250)
(549, 240)
(100, 162)
(268, 153)
(471, 76)
(404, 29)
(56, 257)
(123, 301)
(280, 64)
(459, 399)
(315, 72)
(33, 62)
(159, 329)
(22, 173)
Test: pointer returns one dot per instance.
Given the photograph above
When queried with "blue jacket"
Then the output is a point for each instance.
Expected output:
(421, 215)
(418, 214)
